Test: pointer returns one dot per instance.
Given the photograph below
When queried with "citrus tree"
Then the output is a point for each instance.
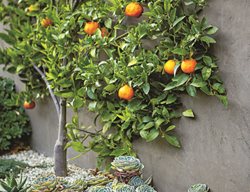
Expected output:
(127, 62)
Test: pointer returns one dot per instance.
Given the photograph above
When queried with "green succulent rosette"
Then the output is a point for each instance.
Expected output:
(136, 181)
(127, 164)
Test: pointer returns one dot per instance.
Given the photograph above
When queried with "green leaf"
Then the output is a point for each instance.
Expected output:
(93, 52)
(198, 83)
(153, 134)
(212, 30)
(178, 80)
(5, 37)
(219, 88)
(172, 140)
(106, 127)
(158, 122)
(191, 90)
(77, 102)
(78, 146)
(149, 135)
(65, 94)
(108, 23)
(188, 113)
(207, 60)
(110, 88)
(223, 99)
(146, 88)
(170, 128)
(208, 39)
(119, 152)
(19, 68)
(92, 106)
(180, 51)
(178, 20)
(148, 125)
(132, 62)
(206, 73)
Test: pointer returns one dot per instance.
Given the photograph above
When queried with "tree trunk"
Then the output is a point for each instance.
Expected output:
(60, 154)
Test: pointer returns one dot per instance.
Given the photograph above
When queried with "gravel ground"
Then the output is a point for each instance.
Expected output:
(41, 166)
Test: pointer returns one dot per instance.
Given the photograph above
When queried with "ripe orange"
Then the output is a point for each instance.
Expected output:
(126, 92)
(104, 32)
(134, 9)
(169, 67)
(46, 22)
(188, 65)
(29, 105)
(91, 27)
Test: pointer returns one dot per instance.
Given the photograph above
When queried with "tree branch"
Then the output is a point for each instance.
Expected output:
(91, 133)
(56, 103)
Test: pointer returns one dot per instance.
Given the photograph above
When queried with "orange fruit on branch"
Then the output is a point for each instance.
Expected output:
(46, 22)
(126, 92)
(134, 9)
(188, 65)
(91, 27)
(29, 105)
(169, 67)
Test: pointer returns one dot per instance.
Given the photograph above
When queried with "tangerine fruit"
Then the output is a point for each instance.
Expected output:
(91, 27)
(169, 67)
(188, 65)
(29, 105)
(134, 9)
(46, 22)
(126, 92)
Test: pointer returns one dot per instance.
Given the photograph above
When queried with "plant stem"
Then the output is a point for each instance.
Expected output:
(56, 103)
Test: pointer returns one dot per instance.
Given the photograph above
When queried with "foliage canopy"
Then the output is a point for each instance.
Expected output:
(88, 70)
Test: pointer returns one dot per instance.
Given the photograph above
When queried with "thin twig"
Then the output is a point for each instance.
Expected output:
(56, 103)
(86, 131)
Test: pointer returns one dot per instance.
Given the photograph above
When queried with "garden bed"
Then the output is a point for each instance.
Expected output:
(38, 171)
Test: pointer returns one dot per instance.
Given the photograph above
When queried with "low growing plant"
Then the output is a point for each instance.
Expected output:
(14, 123)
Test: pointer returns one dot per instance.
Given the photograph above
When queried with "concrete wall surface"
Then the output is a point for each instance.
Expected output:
(216, 146)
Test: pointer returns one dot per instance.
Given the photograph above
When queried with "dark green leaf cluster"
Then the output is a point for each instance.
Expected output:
(14, 123)
(11, 165)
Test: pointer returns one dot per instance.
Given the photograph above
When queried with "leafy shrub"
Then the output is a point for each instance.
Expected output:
(10, 165)
(14, 122)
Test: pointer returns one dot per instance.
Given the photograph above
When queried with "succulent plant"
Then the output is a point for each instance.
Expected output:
(127, 164)
(44, 183)
(136, 181)
(122, 187)
(199, 188)
(98, 180)
(11, 184)
(145, 188)
(99, 189)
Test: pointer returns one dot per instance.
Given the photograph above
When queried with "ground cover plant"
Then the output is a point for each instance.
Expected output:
(95, 54)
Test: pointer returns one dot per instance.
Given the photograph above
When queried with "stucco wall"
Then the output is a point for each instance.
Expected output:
(216, 145)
